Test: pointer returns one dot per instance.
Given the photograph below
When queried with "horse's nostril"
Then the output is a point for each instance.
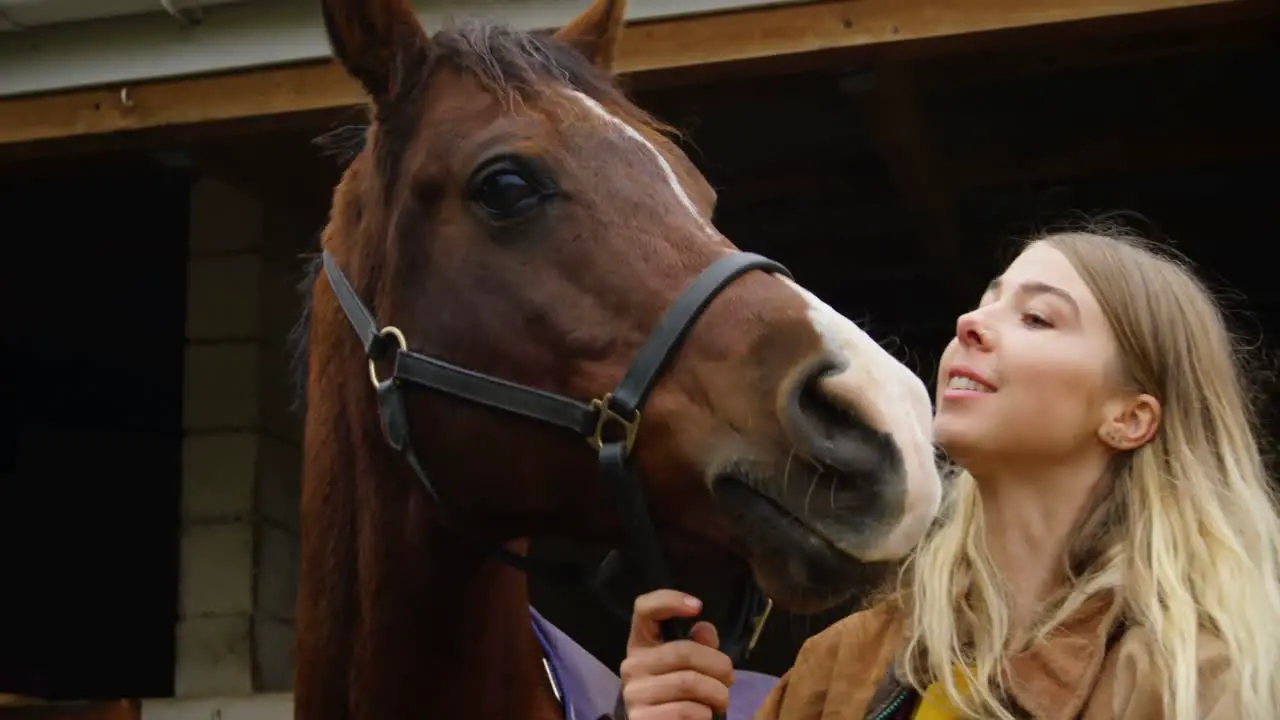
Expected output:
(819, 414)
(826, 424)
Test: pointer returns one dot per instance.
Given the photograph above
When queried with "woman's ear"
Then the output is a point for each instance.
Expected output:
(1131, 422)
(595, 32)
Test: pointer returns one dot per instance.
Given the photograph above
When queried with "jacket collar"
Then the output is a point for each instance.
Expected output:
(1053, 678)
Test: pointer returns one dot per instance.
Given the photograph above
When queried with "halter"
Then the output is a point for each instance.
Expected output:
(610, 425)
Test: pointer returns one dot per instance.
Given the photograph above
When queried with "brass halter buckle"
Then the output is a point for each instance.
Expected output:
(604, 414)
(388, 331)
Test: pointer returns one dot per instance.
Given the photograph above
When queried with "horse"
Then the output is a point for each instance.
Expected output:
(517, 259)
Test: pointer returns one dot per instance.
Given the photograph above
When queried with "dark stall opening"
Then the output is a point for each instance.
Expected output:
(91, 351)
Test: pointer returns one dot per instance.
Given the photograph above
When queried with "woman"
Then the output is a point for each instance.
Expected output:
(1110, 551)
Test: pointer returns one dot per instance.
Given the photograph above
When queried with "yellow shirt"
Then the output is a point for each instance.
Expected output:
(934, 704)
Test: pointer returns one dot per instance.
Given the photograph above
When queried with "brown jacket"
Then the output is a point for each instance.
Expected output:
(1088, 671)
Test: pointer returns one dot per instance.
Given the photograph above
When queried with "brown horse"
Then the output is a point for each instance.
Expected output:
(515, 215)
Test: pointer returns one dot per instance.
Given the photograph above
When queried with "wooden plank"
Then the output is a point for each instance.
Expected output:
(242, 35)
(112, 710)
(830, 25)
(646, 47)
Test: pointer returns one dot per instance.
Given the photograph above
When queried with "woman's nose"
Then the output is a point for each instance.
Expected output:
(971, 333)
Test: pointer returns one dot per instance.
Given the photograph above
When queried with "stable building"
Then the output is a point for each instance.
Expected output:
(159, 183)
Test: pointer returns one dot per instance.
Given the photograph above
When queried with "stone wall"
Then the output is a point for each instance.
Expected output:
(241, 452)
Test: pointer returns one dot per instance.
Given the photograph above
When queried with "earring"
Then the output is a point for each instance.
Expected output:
(1113, 438)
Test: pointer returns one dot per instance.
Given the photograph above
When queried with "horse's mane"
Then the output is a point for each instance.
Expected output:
(510, 63)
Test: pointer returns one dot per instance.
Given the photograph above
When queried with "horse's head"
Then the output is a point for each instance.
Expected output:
(514, 214)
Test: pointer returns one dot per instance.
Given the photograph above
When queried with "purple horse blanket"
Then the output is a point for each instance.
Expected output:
(589, 690)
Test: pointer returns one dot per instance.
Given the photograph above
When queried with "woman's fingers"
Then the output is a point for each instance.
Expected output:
(704, 633)
(681, 687)
(671, 711)
(674, 657)
(678, 680)
(654, 607)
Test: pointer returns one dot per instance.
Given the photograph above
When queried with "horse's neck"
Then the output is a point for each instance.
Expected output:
(476, 642)
(399, 619)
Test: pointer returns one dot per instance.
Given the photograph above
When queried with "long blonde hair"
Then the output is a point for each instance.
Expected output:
(1185, 531)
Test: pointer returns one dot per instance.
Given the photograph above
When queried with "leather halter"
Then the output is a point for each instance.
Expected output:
(610, 425)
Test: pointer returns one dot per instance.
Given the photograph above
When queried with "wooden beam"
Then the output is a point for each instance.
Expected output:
(109, 710)
(646, 47)
(32, 155)
(1110, 49)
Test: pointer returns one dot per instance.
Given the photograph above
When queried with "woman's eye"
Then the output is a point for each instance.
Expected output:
(1035, 320)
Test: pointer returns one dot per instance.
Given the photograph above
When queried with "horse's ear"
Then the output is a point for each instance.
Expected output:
(379, 42)
(595, 32)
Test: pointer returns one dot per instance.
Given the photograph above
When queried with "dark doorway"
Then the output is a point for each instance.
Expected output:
(91, 358)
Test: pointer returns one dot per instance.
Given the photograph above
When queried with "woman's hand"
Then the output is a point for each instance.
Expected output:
(678, 680)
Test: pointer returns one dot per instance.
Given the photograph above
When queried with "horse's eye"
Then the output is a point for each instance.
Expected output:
(506, 191)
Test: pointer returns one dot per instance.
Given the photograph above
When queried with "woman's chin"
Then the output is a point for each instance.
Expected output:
(961, 440)
(951, 432)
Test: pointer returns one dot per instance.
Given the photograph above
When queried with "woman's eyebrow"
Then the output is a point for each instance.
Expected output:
(1035, 287)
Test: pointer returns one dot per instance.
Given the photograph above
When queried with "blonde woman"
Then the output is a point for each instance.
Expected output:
(1111, 550)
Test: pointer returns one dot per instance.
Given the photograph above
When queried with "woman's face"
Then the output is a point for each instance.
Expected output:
(1029, 371)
